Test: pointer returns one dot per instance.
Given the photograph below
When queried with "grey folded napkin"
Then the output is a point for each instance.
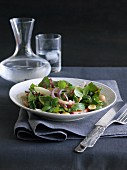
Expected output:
(32, 127)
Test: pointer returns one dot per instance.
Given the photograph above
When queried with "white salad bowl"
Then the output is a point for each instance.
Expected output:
(18, 90)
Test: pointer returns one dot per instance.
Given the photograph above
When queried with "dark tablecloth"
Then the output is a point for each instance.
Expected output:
(108, 153)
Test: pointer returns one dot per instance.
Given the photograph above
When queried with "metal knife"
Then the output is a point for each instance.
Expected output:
(99, 129)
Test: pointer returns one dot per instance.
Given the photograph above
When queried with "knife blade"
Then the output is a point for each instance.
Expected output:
(99, 128)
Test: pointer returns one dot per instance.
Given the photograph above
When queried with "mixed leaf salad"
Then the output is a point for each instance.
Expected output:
(61, 97)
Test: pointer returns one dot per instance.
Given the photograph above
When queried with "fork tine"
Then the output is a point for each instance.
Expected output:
(123, 116)
(125, 120)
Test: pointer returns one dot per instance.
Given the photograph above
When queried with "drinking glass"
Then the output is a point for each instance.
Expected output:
(48, 46)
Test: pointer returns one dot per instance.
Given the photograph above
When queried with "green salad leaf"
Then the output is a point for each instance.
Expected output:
(92, 87)
(45, 82)
(78, 91)
(77, 106)
(31, 100)
(49, 104)
(32, 87)
(62, 84)
(85, 90)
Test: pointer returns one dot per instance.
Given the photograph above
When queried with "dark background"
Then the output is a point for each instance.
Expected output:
(94, 32)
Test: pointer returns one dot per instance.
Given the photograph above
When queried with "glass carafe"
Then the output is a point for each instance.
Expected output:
(23, 64)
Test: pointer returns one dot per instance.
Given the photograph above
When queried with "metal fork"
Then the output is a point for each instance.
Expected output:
(121, 119)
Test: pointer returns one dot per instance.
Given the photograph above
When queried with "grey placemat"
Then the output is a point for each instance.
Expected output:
(32, 127)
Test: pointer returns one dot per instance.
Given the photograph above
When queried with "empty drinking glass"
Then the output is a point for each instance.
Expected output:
(48, 46)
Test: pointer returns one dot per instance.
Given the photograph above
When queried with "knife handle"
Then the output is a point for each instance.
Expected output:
(90, 139)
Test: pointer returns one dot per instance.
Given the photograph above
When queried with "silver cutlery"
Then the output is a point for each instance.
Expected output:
(109, 118)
